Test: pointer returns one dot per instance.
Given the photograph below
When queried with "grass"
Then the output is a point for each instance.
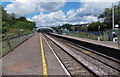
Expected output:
(85, 35)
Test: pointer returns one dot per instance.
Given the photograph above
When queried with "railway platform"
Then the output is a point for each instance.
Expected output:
(47, 55)
(103, 43)
(28, 59)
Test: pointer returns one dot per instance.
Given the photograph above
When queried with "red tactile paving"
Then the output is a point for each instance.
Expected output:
(17, 67)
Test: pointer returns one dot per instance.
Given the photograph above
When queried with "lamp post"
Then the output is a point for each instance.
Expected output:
(113, 16)
(98, 33)
(112, 30)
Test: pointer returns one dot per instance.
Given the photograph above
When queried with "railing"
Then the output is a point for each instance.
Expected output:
(9, 43)
(84, 35)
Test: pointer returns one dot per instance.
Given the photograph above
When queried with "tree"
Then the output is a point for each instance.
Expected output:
(94, 26)
(4, 15)
(107, 14)
(68, 26)
(10, 23)
(84, 28)
(22, 19)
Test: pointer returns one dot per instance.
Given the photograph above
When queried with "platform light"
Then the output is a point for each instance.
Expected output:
(117, 26)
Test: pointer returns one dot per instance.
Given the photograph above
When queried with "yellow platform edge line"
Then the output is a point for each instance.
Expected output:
(45, 73)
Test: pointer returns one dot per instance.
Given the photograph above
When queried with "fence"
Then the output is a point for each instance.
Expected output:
(9, 43)
(105, 36)
(85, 35)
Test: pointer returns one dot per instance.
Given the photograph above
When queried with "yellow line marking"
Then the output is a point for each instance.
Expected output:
(86, 52)
(43, 58)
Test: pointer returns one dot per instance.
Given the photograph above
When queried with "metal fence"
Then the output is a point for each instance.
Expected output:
(8, 44)
(89, 35)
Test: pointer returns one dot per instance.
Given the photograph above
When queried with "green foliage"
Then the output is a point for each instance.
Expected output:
(77, 29)
(94, 26)
(24, 25)
(10, 24)
(67, 26)
(4, 15)
(22, 19)
(44, 30)
(117, 14)
(84, 28)
(107, 14)
(0, 17)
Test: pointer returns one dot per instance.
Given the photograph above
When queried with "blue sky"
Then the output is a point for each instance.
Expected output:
(68, 6)
(4, 4)
(57, 13)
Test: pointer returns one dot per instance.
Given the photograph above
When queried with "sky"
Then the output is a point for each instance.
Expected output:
(47, 13)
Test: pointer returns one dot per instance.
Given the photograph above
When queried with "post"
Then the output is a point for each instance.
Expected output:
(113, 16)
(98, 33)
(112, 30)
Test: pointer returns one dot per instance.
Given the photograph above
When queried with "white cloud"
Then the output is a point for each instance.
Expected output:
(86, 14)
(88, 11)
(20, 9)
(49, 6)
(54, 18)
(29, 19)
(90, 18)
(25, 7)
(34, 0)
(94, 7)
(63, 0)
(57, 18)
(99, 0)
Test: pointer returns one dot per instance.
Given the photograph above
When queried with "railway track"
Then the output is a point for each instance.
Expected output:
(115, 64)
(76, 59)
(72, 65)
(105, 50)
